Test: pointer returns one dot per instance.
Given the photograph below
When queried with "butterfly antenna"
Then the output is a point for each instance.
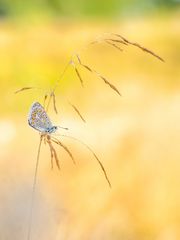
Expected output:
(33, 191)
(84, 144)
(63, 127)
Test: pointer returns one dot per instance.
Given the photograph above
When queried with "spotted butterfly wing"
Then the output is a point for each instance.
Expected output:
(38, 118)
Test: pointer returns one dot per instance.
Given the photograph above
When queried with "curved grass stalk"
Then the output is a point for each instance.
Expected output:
(109, 38)
(77, 111)
(95, 156)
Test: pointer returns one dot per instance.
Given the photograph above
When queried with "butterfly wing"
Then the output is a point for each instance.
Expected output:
(38, 118)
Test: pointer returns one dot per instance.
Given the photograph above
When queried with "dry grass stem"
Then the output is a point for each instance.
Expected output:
(116, 40)
(95, 156)
(97, 74)
(148, 51)
(79, 76)
(109, 84)
(75, 68)
(139, 46)
(52, 156)
(78, 112)
(102, 167)
(96, 42)
(113, 45)
(45, 98)
(52, 97)
(54, 102)
(78, 58)
(101, 77)
(52, 165)
(88, 68)
(33, 189)
(53, 152)
(23, 89)
(55, 140)
(49, 101)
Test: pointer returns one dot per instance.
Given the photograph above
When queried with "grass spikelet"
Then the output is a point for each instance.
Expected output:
(116, 40)
(23, 89)
(101, 77)
(102, 167)
(88, 68)
(95, 156)
(78, 58)
(45, 98)
(52, 156)
(53, 152)
(94, 42)
(55, 140)
(56, 158)
(123, 38)
(140, 47)
(49, 101)
(113, 45)
(78, 112)
(148, 51)
(79, 76)
(109, 84)
(54, 102)
(76, 70)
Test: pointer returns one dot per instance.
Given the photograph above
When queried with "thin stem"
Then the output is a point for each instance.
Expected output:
(53, 151)
(56, 84)
(33, 190)
(55, 140)
(77, 111)
(65, 69)
(100, 163)
(61, 76)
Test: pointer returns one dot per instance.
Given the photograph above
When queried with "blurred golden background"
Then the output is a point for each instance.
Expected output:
(136, 136)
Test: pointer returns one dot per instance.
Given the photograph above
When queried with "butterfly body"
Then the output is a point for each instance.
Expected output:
(39, 120)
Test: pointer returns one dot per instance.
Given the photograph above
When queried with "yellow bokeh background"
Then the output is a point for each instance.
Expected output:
(136, 136)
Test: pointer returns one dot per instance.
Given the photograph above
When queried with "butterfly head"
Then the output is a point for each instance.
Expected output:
(52, 129)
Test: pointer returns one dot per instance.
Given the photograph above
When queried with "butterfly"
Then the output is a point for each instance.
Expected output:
(39, 120)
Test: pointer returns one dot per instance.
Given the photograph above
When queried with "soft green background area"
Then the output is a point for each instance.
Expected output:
(80, 8)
